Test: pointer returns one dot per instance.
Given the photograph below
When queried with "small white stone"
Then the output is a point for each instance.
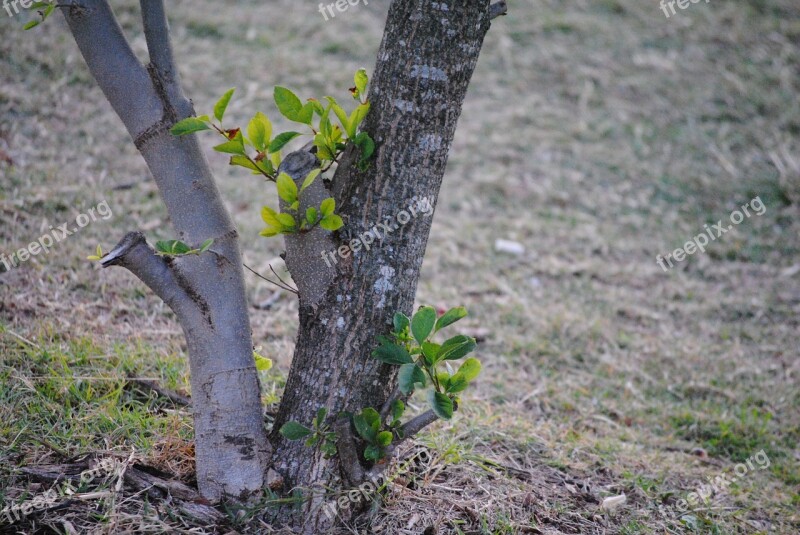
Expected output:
(612, 502)
(509, 247)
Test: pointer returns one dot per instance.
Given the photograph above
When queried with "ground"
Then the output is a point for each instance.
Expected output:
(598, 135)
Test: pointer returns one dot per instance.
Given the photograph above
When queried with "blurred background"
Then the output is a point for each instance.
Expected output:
(596, 136)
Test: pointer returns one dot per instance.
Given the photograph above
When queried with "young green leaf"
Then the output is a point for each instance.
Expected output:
(422, 323)
(279, 142)
(450, 317)
(400, 322)
(234, 146)
(288, 103)
(361, 79)
(322, 412)
(270, 216)
(259, 130)
(471, 368)
(408, 376)
(355, 119)
(328, 206)
(262, 363)
(310, 179)
(384, 438)
(398, 408)
(222, 104)
(287, 221)
(206, 245)
(441, 404)
(364, 429)
(392, 354)
(331, 222)
(243, 161)
(373, 453)
(456, 383)
(457, 347)
(431, 352)
(287, 189)
(340, 113)
(311, 215)
(294, 431)
(189, 125)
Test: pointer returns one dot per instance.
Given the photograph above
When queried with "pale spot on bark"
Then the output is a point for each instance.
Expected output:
(384, 285)
(428, 72)
(430, 142)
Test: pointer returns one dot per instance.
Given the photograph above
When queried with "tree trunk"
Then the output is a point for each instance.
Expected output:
(425, 63)
(206, 292)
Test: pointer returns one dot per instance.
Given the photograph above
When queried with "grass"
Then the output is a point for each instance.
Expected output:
(596, 134)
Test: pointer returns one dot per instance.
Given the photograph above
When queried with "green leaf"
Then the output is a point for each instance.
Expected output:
(262, 363)
(189, 125)
(367, 146)
(392, 354)
(243, 161)
(306, 114)
(408, 376)
(373, 453)
(331, 222)
(222, 104)
(457, 347)
(361, 79)
(456, 383)
(398, 408)
(311, 215)
(259, 131)
(294, 431)
(400, 322)
(287, 189)
(441, 404)
(384, 438)
(280, 141)
(422, 323)
(450, 317)
(364, 429)
(471, 368)
(340, 113)
(270, 231)
(206, 245)
(287, 221)
(172, 247)
(288, 103)
(322, 412)
(234, 146)
(328, 206)
(431, 352)
(270, 216)
(310, 179)
(355, 119)
(31, 24)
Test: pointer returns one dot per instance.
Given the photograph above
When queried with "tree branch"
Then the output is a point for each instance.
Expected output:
(497, 9)
(123, 79)
(162, 61)
(306, 252)
(417, 424)
(351, 467)
(160, 274)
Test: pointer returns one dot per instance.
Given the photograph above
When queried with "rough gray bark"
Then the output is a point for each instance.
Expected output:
(425, 63)
(206, 292)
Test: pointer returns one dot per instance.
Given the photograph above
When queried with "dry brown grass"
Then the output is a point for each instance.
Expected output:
(597, 134)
